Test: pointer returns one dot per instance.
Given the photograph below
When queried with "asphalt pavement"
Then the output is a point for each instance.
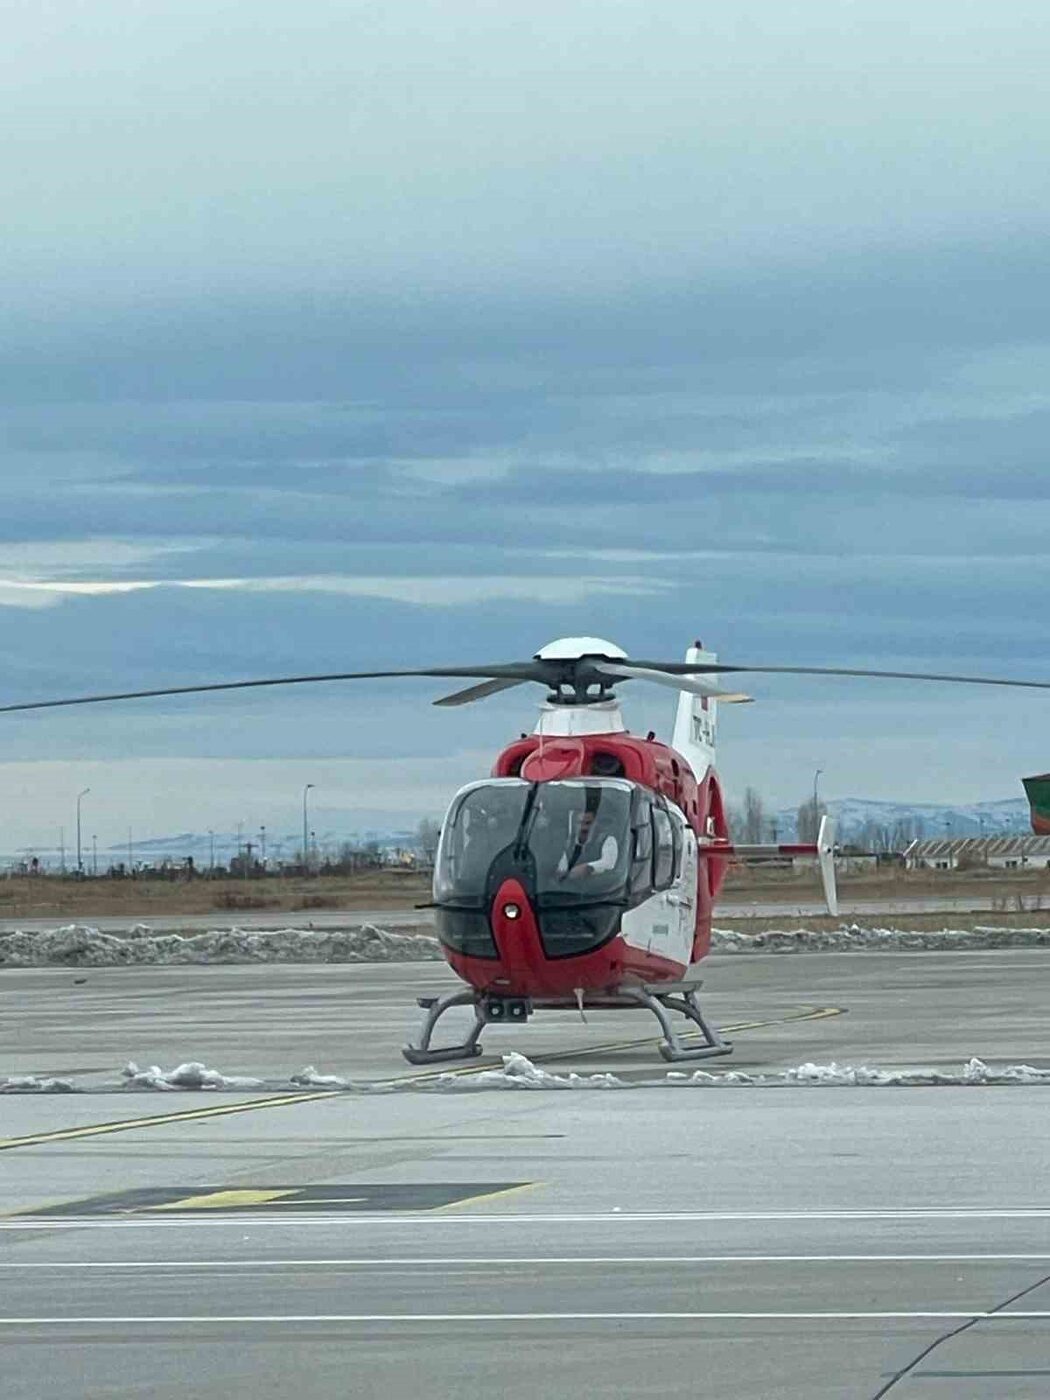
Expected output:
(409, 917)
(660, 1240)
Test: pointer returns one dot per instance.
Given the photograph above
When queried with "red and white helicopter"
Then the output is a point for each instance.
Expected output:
(584, 871)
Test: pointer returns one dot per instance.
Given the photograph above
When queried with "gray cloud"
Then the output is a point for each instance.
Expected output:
(511, 322)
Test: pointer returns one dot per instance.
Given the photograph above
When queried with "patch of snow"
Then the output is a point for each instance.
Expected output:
(866, 1076)
(30, 1084)
(855, 938)
(79, 945)
(310, 1078)
(192, 1075)
(518, 1072)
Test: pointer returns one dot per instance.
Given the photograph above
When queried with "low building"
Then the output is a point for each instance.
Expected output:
(974, 853)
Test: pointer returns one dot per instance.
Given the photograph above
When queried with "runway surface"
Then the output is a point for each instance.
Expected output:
(408, 916)
(652, 1241)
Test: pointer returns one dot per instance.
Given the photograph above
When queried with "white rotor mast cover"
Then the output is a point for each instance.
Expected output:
(606, 717)
(572, 648)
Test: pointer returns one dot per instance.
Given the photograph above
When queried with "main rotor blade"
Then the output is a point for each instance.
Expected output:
(614, 670)
(880, 675)
(519, 671)
(477, 692)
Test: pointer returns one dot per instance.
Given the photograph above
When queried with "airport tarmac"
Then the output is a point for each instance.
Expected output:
(408, 916)
(657, 1240)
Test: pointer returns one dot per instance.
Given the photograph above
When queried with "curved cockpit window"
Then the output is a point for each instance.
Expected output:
(483, 821)
(579, 837)
(571, 840)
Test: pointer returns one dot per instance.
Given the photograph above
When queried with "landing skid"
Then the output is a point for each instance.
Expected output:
(660, 999)
(435, 1008)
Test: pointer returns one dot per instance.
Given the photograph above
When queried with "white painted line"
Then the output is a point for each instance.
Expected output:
(440, 1218)
(268, 1319)
(483, 1263)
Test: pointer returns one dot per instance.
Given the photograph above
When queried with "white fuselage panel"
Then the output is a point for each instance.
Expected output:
(665, 924)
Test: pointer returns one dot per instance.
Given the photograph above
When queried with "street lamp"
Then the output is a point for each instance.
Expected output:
(80, 862)
(816, 799)
(306, 832)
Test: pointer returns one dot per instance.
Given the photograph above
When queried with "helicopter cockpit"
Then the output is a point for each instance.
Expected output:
(584, 850)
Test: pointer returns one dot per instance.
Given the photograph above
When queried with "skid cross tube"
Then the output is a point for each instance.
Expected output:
(659, 998)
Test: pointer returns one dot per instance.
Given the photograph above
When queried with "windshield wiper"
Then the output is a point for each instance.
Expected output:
(521, 840)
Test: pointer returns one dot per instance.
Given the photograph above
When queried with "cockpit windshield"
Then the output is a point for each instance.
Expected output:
(571, 839)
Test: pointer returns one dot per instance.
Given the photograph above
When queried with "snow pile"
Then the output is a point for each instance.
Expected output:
(857, 939)
(79, 945)
(310, 1079)
(867, 1077)
(192, 1075)
(30, 1084)
(520, 1073)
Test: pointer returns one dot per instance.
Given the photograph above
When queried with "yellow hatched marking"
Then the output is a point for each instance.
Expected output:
(225, 1200)
(488, 1196)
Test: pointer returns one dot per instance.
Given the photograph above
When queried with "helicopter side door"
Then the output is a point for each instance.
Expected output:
(683, 891)
(663, 877)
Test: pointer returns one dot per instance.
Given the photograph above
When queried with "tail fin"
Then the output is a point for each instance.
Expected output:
(826, 857)
(696, 720)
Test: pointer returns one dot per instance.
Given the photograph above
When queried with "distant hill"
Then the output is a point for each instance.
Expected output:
(861, 820)
(859, 817)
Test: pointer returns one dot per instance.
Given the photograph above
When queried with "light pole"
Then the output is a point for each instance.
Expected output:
(306, 832)
(80, 861)
(816, 803)
(262, 846)
(211, 851)
(94, 856)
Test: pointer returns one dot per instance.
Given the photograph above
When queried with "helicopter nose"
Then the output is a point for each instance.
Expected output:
(512, 917)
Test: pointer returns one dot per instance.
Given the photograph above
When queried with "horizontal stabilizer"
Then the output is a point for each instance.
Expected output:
(823, 848)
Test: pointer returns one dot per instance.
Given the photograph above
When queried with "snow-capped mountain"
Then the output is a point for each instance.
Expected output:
(860, 819)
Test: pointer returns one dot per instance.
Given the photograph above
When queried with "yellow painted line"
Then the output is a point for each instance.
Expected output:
(487, 1196)
(819, 1013)
(223, 1200)
(125, 1125)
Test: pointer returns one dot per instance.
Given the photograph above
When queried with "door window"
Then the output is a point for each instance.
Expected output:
(663, 849)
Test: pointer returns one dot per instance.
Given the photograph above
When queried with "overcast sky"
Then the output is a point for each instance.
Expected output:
(345, 335)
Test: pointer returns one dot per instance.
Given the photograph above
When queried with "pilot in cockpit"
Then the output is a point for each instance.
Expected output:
(591, 851)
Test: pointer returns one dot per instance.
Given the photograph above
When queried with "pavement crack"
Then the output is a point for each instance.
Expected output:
(957, 1332)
